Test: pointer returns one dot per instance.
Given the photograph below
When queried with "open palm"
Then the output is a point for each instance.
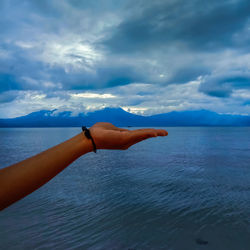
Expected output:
(108, 136)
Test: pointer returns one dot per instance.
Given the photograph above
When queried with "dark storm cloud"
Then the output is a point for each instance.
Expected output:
(8, 96)
(21, 65)
(104, 77)
(8, 82)
(195, 27)
(199, 25)
(222, 85)
(21, 72)
(73, 45)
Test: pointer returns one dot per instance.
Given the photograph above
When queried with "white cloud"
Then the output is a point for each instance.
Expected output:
(137, 98)
(135, 110)
(24, 45)
(92, 95)
(70, 53)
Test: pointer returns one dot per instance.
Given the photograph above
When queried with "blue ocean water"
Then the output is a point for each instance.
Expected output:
(190, 190)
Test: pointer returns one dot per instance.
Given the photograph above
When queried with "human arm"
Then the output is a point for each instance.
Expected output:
(22, 178)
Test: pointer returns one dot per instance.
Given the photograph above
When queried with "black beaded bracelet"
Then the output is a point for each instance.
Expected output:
(88, 135)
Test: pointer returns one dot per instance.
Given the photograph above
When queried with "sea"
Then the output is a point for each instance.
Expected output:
(189, 190)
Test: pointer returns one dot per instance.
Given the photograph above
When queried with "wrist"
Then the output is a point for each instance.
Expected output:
(84, 144)
(88, 135)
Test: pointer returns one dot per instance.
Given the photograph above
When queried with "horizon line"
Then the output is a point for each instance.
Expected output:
(92, 111)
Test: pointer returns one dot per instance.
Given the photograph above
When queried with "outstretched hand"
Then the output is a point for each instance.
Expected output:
(108, 136)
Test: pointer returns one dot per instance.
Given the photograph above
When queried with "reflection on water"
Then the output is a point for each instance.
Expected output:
(190, 190)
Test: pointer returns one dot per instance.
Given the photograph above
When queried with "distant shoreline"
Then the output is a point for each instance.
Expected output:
(121, 118)
(170, 126)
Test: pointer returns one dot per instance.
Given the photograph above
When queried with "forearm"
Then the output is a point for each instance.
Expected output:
(22, 178)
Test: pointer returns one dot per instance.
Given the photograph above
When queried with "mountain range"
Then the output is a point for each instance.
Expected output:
(119, 117)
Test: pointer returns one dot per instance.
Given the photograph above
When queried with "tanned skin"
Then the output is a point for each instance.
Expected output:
(22, 178)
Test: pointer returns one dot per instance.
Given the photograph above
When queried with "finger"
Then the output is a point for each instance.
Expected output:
(161, 132)
(142, 134)
(109, 126)
(158, 132)
(139, 139)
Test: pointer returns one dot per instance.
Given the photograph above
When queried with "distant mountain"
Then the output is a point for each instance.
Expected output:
(119, 117)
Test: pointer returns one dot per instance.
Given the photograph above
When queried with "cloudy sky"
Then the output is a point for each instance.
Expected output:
(147, 57)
